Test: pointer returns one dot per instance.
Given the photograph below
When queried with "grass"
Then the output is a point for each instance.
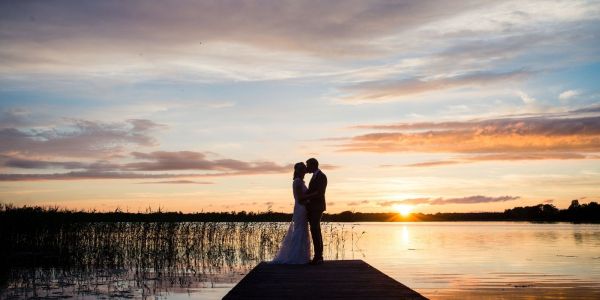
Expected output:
(48, 255)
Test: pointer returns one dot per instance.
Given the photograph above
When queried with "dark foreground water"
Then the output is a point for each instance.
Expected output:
(441, 260)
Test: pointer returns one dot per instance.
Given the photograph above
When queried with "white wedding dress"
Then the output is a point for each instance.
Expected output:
(295, 248)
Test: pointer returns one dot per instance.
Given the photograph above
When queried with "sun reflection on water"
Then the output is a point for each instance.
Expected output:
(405, 235)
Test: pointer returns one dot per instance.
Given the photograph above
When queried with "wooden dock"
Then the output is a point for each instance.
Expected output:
(336, 279)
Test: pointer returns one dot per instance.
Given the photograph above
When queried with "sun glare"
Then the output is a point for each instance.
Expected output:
(403, 210)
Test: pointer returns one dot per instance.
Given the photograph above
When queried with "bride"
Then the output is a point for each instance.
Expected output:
(295, 248)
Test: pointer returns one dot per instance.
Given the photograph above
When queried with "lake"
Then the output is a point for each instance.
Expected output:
(510, 260)
(441, 260)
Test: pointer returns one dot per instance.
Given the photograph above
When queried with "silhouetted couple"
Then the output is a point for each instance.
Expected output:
(309, 205)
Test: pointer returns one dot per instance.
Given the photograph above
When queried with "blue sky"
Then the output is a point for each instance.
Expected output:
(467, 106)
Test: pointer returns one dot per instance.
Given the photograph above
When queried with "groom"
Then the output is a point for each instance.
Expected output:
(315, 207)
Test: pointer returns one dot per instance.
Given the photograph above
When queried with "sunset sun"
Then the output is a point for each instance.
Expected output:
(403, 210)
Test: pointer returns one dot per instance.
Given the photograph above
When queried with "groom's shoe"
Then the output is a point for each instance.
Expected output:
(316, 261)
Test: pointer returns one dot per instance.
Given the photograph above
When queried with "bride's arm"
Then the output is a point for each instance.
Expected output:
(307, 196)
(300, 194)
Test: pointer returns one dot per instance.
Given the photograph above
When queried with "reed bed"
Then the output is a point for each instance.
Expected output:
(141, 259)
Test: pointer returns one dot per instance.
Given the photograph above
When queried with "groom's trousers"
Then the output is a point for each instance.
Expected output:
(314, 219)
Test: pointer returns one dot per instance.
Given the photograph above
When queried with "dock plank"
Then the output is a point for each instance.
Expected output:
(337, 279)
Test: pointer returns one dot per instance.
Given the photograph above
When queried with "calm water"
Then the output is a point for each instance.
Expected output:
(441, 260)
(488, 259)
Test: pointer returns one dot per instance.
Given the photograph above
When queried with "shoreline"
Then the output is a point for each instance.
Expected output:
(543, 213)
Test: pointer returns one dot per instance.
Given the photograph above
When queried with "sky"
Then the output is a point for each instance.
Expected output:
(188, 106)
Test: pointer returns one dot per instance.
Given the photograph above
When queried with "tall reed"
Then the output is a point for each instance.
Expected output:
(140, 259)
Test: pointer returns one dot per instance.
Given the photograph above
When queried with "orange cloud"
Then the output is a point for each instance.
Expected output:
(505, 156)
(507, 135)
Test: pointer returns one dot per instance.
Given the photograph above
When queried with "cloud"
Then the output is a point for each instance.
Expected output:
(386, 166)
(503, 135)
(444, 201)
(80, 138)
(566, 95)
(461, 52)
(41, 164)
(220, 104)
(96, 150)
(529, 156)
(329, 166)
(504, 156)
(151, 162)
(591, 109)
(312, 26)
(15, 117)
(472, 199)
(177, 182)
(189, 160)
(388, 90)
(526, 99)
(204, 40)
(79, 175)
(228, 39)
(142, 125)
(356, 203)
(433, 163)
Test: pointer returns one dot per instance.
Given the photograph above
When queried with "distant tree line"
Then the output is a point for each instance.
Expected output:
(576, 212)
(538, 213)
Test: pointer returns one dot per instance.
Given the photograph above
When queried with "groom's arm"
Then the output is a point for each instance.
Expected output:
(306, 197)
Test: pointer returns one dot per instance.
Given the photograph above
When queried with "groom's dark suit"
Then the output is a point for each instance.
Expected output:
(315, 208)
